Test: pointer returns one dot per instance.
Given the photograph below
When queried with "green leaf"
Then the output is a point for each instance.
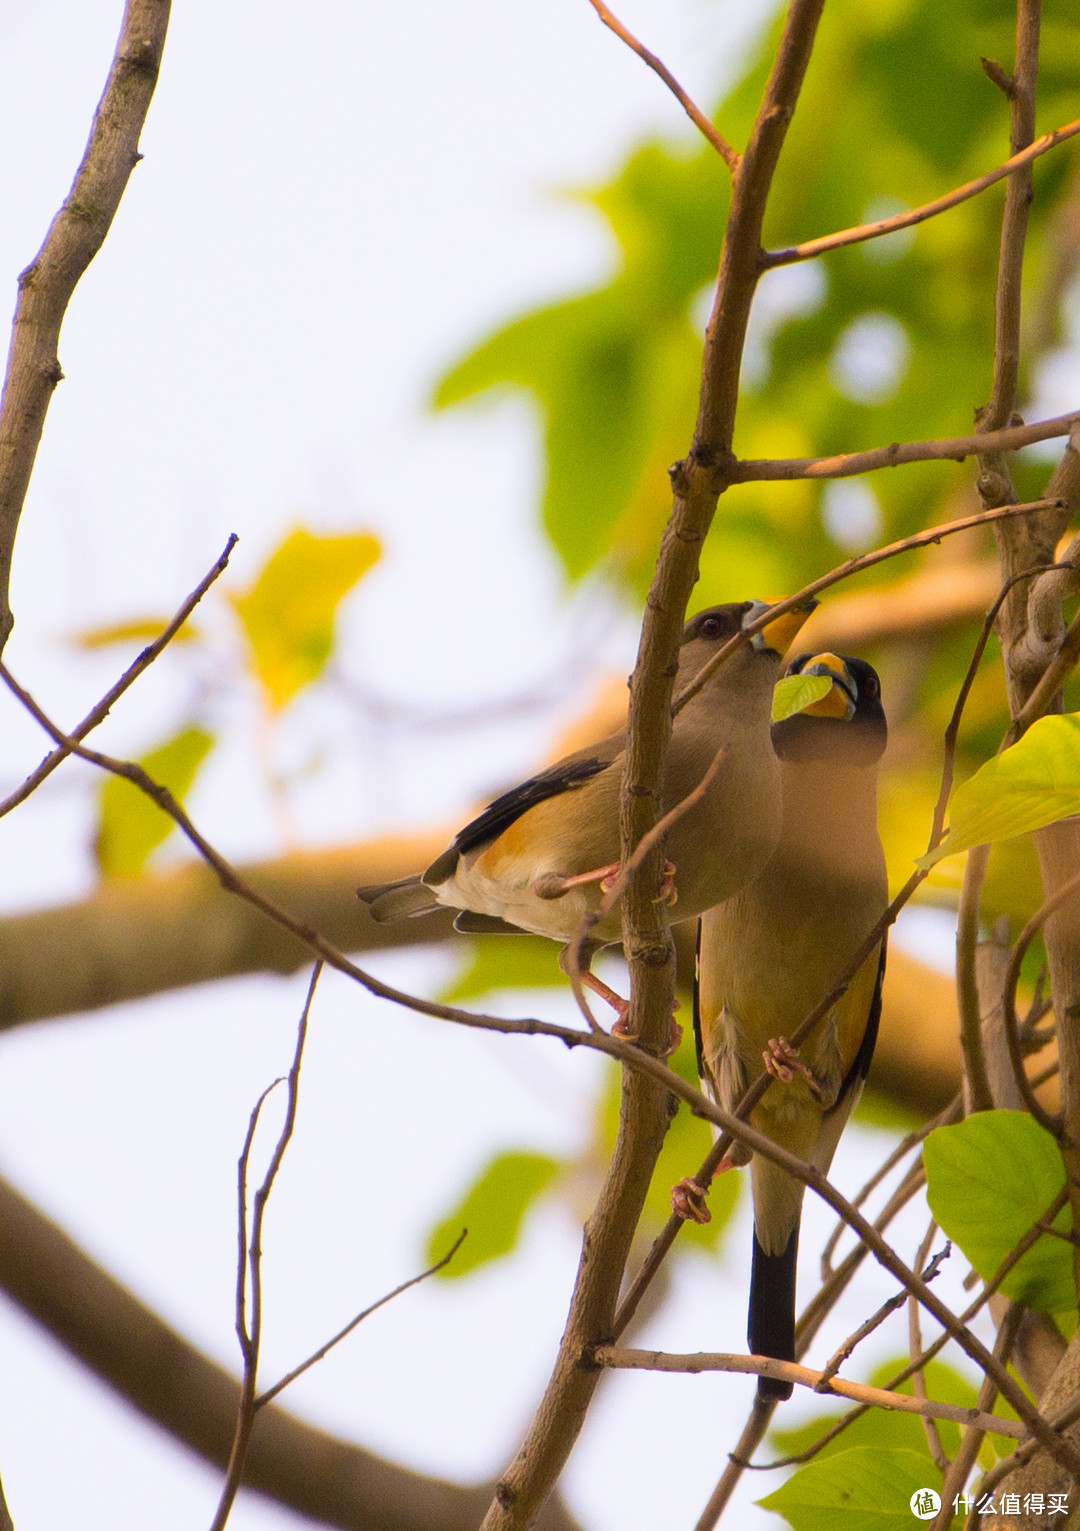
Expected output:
(866, 1489)
(493, 1210)
(505, 962)
(1034, 782)
(988, 1180)
(130, 824)
(288, 614)
(794, 692)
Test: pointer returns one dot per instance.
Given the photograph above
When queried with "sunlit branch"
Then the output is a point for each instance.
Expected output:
(946, 448)
(790, 1371)
(916, 215)
(696, 115)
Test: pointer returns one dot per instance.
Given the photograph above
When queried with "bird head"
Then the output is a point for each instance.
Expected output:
(708, 632)
(846, 725)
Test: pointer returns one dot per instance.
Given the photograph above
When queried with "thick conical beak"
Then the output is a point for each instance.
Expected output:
(840, 700)
(779, 634)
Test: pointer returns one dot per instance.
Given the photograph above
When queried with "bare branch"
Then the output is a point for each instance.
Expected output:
(74, 238)
(696, 115)
(100, 711)
(915, 215)
(323, 1350)
(249, 1260)
(790, 1371)
(947, 448)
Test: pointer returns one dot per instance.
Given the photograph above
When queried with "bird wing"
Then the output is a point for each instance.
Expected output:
(564, 776)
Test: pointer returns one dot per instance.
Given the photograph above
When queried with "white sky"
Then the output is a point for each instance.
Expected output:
(335, 200)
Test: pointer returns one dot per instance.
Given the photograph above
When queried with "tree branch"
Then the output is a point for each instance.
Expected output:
(854, 236)
(946, 448)
(819, 1382)
(74, 238)
(696, 115)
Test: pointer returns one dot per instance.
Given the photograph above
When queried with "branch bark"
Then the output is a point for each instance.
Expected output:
(74, 238)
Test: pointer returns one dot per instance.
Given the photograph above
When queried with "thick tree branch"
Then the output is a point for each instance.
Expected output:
(74, 238)
(170, 1382)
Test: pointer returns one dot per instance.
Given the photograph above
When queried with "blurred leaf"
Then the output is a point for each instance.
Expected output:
(1034, 782)
(130, 824)
(866, 1488)
(493, 1210)
(144, 630)
(794, 692)
(288, 614)
(505, 962)
(989, 1179)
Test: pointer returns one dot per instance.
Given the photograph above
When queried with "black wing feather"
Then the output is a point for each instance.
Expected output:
(565, 776)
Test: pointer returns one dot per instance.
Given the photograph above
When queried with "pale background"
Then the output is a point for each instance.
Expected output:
(336, 199)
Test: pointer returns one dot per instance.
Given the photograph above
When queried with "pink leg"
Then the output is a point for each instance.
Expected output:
(688, 1198)
(551, 885)
(782, 1061)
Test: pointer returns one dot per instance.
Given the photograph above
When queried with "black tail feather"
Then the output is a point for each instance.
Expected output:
(771, 1320)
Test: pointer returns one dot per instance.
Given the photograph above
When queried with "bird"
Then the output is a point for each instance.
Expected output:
(772, 952)
(541, 856)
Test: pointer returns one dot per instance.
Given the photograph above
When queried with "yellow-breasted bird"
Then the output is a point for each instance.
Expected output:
(538, 858)
(768, 955)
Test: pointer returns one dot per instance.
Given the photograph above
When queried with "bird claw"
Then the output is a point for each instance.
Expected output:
(688, 1202)
(782, 1062)
(675, 1035)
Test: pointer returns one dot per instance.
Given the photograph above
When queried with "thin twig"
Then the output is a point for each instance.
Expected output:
(101, 710)
(297, 1371)
(853, 236)
(697, 116)
(844, 571)
(249, 1259)
(75, 236)
(915, 1345)
(875, 1321)
(614, 1356)
(947, 448)
(1012, 977)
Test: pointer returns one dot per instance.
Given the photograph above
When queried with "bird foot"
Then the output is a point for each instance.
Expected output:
(668, 892)
(782, 1062)
(675, 1035)
(688, 1202)
(688, 1198)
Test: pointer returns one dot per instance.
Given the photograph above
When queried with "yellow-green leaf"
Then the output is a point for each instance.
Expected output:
(1034, 782)
(493, 1210)
(141, 630)
(288, 614)
(130, 824)
(795, 692)
(867, 1488)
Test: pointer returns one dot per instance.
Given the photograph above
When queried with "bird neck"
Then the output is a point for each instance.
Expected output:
(829, 822)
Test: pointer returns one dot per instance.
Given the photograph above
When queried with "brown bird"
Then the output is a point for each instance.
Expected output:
(540, 856)
(768, 955)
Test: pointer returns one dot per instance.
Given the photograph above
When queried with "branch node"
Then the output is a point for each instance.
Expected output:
(993, 71)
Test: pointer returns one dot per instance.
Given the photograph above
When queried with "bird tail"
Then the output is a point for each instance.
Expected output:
(771, 1321)
(397, 900)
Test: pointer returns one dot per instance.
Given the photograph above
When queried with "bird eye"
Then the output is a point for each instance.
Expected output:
(711, 627)
(870, 686)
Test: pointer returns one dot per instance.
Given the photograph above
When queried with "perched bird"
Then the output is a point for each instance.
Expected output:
(540, 856)
(771, 953)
